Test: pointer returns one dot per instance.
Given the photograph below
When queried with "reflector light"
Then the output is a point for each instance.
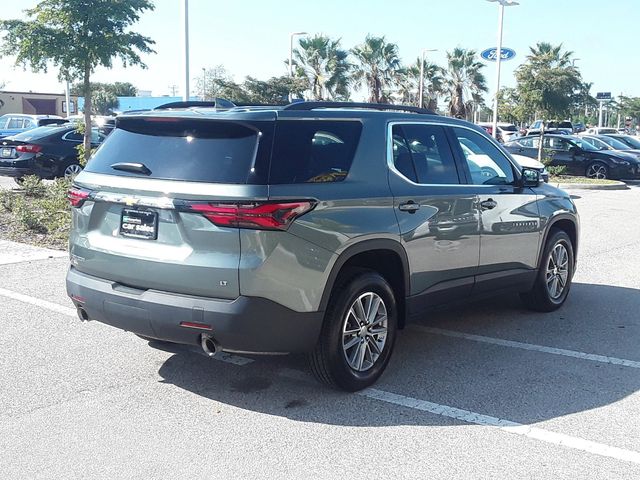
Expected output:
(77, 196)
(199, 326)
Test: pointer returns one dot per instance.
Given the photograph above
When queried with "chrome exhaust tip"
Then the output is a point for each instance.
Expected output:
(209, 345)
(82, 314)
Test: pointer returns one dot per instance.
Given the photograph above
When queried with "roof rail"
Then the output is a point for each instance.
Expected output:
(215, 103)
(372, 106)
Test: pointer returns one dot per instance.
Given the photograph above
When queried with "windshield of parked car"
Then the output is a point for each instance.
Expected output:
(584, 144)
(508, 128)
(615, 144)
(629, 140)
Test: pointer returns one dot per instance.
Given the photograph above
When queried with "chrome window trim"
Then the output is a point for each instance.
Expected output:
(393, 168)
(64, 137)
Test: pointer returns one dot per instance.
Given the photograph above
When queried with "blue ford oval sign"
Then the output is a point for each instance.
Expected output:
(490, 54)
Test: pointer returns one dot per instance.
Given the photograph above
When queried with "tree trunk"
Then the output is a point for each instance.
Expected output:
(87, 114)
(541, 142)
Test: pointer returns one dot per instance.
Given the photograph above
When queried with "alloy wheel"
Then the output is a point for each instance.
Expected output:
(557, 271)
(597, 171)
(72, 170)
(364, 332)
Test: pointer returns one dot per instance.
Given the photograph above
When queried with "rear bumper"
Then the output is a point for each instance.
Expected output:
(16, 172)
(246, 324)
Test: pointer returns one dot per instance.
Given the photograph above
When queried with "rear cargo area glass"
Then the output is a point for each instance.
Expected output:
(187, 150)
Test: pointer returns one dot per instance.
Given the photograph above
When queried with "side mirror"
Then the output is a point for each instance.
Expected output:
(530, 177)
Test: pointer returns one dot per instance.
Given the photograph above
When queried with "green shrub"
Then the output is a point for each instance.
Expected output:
(33, 186)
(557, 170)
(7, 199)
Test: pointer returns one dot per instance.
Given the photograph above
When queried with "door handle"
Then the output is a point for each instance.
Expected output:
(410, 206)
(488, 204)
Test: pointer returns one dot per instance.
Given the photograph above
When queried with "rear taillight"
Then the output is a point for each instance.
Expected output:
(77, 196)
(28, 148)
(262, 216)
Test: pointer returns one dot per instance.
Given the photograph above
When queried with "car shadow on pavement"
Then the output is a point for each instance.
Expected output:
(511, 383)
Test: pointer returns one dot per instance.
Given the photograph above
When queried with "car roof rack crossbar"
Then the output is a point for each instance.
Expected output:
(307, 106)
(215, 103)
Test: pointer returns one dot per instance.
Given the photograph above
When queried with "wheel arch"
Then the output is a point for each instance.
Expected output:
(385, 256)
(569, 225)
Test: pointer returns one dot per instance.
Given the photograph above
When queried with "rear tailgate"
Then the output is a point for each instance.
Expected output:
(136, 226)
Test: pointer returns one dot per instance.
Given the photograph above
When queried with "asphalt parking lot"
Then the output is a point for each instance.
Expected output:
(487, 390)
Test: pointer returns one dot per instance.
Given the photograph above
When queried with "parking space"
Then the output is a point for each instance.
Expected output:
(487, 390)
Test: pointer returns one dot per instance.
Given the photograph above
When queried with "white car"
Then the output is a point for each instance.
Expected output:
(599, 131)
(483, 162)
(506, 130)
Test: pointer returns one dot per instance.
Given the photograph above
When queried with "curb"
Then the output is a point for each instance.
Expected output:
(592, 186)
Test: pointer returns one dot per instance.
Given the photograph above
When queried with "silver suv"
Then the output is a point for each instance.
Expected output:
(316, 227)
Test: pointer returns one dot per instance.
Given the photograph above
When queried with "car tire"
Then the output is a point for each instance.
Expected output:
(70, 170)
(19, 180)
(354, 348)
(553, 281)
(597, 170)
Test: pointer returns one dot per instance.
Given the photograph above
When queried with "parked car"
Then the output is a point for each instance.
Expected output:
(317, 227)
(506, 131)
(553, 126)
(13, 123)
(604, 142)
(579, 156)
(599, 131)
(629, 140)
(579, 127)
(47, 152)
(104, 123)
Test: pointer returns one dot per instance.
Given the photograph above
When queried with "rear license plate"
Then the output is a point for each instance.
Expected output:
(6, 152)
(139, 223)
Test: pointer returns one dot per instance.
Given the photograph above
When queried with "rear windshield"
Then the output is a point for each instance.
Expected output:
(38, 133)
(509, 128)
(189, 150)
(313, 151)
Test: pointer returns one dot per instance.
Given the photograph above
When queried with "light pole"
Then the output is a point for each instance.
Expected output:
(502, 4)
(185, 14)
(204, 83)
(291, 37)
(421, 92)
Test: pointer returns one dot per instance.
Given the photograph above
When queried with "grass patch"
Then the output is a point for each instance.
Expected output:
(38, 213)
(571, 179)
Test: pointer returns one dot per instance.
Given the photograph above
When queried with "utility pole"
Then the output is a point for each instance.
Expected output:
(67, 98)
(185, 14)
(503, 3)
(421, 89)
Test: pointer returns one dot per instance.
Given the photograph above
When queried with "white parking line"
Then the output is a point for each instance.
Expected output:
(508, 426)
(71, 312)
(529, 346)
(467, 416)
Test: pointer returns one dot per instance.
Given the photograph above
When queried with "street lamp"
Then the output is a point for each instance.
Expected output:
(503, 3)
(291, 36)
(421, 94)
(204, 83)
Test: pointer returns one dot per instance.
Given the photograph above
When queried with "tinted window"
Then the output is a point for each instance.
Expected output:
(422, 154)
(490, 167)
(307, 151)
(189, 150)
(37, 133)
(15, 123)
(556, 143)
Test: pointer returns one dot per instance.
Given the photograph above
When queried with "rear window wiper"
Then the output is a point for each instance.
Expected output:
(131, 167)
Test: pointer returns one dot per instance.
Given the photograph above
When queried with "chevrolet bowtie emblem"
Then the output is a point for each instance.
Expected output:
(130, 201)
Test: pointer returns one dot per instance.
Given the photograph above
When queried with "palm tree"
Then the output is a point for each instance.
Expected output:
(550, 56)
(325, 66)
(378, 67)
(465, 82)
(433, 84)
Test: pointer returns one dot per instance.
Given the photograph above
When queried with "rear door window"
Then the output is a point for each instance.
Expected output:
(422, 154)
(313, 151)
(194, 150)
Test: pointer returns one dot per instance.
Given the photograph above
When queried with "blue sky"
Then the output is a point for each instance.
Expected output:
(251, 37)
